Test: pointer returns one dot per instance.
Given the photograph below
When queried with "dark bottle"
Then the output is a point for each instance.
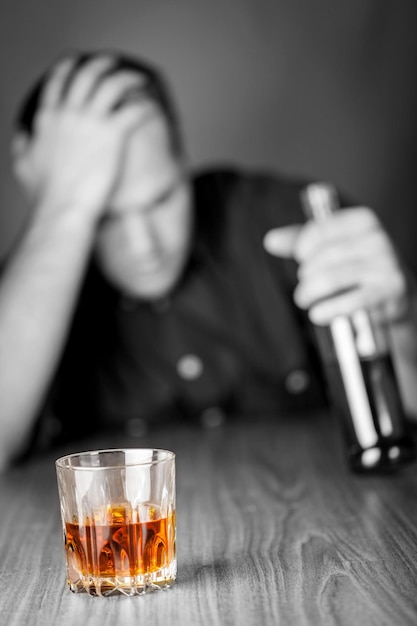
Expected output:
(360, 374)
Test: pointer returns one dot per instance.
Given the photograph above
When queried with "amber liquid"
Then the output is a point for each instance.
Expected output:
(117, 549)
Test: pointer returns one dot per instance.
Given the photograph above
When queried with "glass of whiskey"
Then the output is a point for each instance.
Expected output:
(119, 520)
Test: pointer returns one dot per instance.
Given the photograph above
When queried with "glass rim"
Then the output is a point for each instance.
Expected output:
(61, 461)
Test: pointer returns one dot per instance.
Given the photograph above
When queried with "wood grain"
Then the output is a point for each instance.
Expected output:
(272, 529)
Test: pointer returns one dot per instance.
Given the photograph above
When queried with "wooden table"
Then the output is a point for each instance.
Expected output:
(272, 529)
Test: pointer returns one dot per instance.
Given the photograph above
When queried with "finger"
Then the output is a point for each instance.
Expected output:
(86, 79)
(135, 115)
(116, 89)
(324, 258)
(325, 285)
(385, 279)
(372, 250)
(54, 89)
(375, 290)
(356, 219)
(324, 312)
(281, 242)
(339, 229)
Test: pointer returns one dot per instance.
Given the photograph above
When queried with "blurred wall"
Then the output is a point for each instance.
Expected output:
(325, 88)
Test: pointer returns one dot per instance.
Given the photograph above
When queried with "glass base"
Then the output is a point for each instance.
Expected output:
(125, 585)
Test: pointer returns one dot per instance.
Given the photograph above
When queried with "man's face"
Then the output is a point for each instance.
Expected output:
(144, 239)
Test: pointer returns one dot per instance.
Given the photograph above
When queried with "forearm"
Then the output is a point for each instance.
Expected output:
(72, 164)
(38, 292)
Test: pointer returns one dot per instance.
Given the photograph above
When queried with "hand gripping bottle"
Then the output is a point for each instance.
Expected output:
(358, 366)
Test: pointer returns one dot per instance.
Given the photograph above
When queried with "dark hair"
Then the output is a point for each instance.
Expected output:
(155, 88)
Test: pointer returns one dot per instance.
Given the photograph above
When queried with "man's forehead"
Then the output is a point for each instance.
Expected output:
(149, 167)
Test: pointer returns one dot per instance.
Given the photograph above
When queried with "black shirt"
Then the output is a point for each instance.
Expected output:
(228, 338)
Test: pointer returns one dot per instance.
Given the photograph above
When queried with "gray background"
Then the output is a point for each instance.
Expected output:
(325, 88)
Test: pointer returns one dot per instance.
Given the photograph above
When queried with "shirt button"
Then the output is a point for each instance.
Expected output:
(297, 381)
(136, 427)
(190, 367)
(213, 417)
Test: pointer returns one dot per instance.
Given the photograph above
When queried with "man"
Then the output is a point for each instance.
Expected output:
(139, 293)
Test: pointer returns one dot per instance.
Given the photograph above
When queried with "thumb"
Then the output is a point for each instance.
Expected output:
(281, 241)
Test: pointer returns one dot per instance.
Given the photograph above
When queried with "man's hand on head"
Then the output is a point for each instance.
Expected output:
(73, 158)
(345, 263)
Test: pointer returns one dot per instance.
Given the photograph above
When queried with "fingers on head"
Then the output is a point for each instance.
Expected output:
(93, 82)
(134, 115)
(116, 89)
(85, 79)
(57, 80)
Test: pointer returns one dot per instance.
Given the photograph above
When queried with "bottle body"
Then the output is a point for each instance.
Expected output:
(364, 393)
(358, 365)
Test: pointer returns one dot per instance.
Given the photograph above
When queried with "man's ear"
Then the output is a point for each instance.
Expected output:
(20, 141)
(19, 149)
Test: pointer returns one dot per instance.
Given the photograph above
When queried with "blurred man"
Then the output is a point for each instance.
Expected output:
(141, 292)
